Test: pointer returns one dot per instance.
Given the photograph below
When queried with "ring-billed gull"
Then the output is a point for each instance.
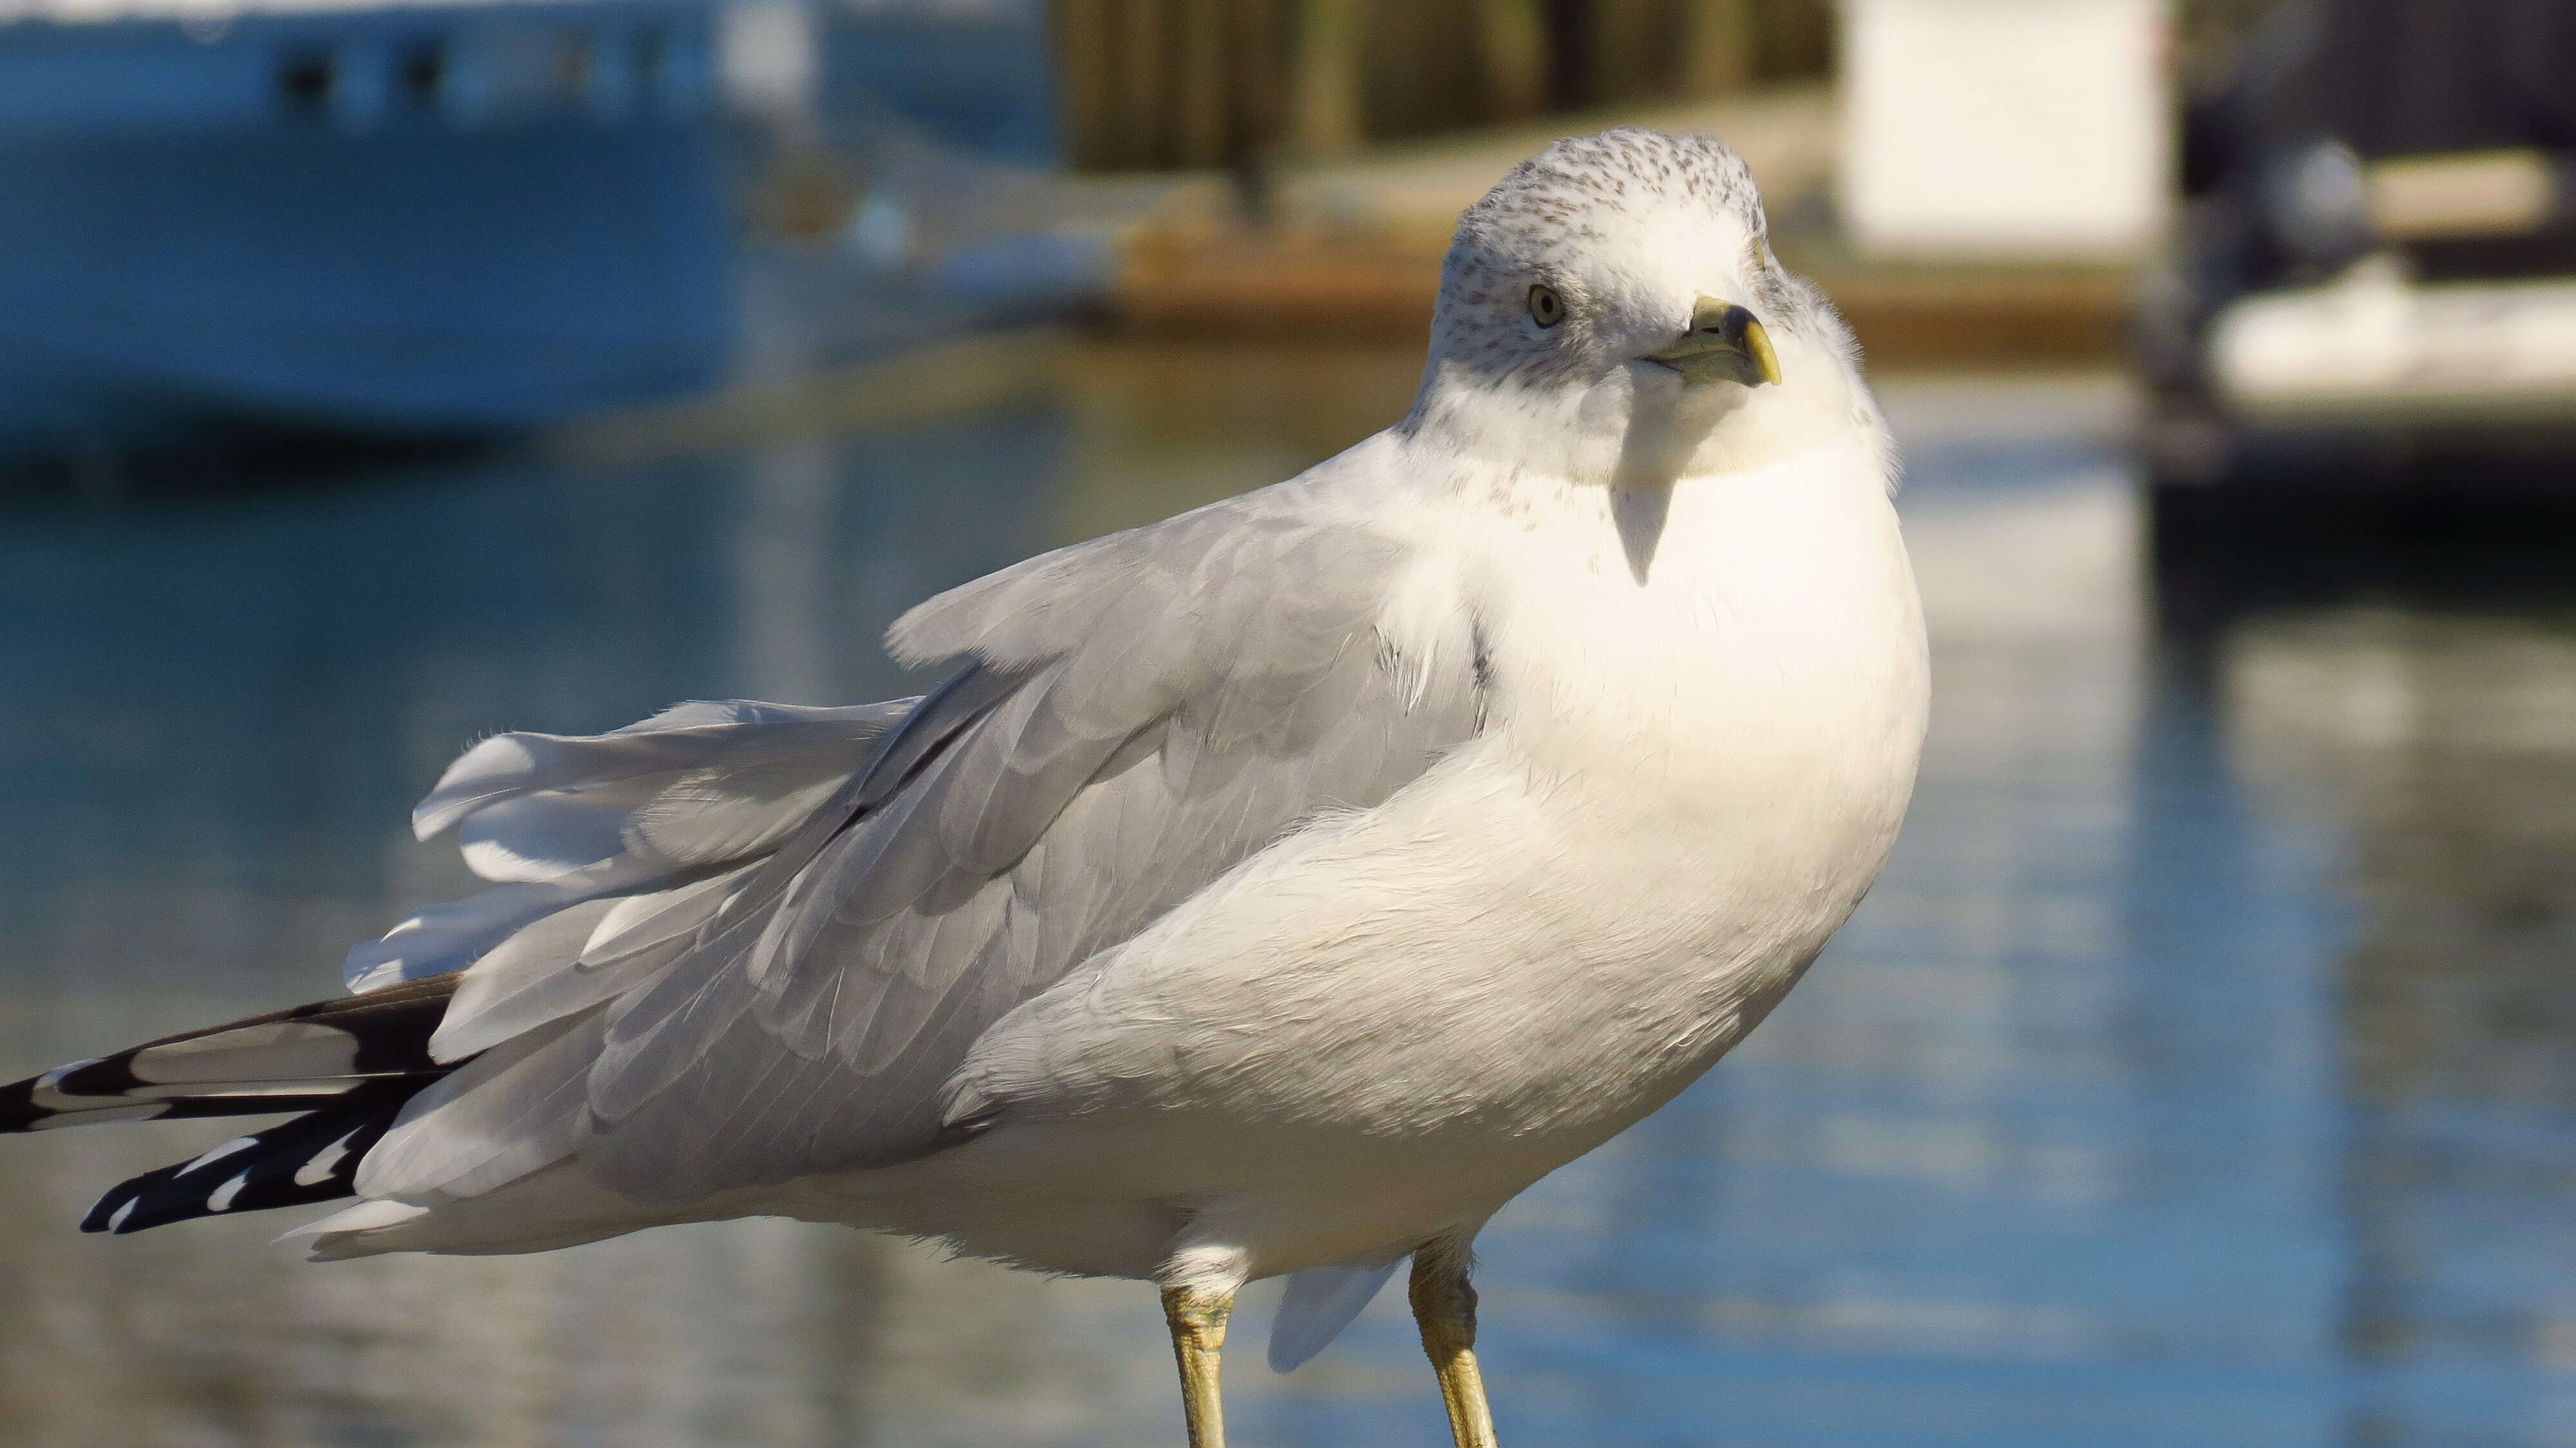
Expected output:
(1277, 889)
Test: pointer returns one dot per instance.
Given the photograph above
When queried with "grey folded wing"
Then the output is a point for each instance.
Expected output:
(1137, 716)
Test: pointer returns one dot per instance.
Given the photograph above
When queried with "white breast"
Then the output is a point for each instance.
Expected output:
(1409, 1013)
(1747, 680)
(1730, 740)
(1684, 786)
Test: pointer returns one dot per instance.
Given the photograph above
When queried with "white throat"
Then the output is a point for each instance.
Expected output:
(1641, 426)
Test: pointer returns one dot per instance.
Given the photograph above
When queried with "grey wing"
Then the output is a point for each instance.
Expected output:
(1140, 715)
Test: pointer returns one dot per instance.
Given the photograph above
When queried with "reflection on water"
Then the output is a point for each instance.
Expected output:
(2434, 728)
(2203, 1072)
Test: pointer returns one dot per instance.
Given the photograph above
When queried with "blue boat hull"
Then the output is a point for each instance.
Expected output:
(411, 280)
(401, 219)
(426, 220)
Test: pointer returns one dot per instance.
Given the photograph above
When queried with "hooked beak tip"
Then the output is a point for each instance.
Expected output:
(1726, 342)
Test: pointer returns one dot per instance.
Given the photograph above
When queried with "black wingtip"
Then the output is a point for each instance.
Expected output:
(386, 1034)
(18, 1106)
(313, 1158)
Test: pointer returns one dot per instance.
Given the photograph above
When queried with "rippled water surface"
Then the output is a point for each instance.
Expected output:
(2202, 1073)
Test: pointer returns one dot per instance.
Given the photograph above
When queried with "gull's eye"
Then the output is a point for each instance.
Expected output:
(1546, 307)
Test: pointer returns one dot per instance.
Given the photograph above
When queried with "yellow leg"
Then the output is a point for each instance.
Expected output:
(1444, 1306)
(1197, 1320)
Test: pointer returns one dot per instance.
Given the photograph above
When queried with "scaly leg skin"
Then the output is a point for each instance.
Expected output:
(1197, 1319)
(1444, 1306)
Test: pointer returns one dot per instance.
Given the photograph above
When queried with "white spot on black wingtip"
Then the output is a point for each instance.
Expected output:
(311, 1158)
(317, 1171)
(45, 1097)
(346, 1066)
(238, 1143)
(221, 1198)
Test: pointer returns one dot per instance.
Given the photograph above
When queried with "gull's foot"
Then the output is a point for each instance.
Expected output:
(1444, 1307)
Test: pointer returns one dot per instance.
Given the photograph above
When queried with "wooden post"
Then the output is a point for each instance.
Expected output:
(1082, 75)
(1258, 57)
(1139, 56)
(1200, 81)
(1325, 104)
(1721, 46)
(1511, 44)
(1621, 58)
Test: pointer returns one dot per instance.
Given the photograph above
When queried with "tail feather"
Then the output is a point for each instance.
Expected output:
(347, 1064)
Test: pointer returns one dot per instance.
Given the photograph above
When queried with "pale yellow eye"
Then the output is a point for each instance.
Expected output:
(1545, 306)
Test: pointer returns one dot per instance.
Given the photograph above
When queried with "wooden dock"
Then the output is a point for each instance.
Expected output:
(1351, 250)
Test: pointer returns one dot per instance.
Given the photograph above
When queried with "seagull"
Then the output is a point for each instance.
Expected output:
(1276, 890)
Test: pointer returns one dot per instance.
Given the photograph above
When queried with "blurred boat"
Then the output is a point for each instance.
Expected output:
(456, 219)
(2376, 269)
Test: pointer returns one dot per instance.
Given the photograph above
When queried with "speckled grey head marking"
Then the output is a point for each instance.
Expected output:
(1571, 182)
(1586, 217)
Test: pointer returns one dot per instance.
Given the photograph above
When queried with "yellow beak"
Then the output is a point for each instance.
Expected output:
(1724, 343)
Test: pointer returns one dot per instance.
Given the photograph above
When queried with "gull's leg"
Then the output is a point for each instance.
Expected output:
(1444, 1306)
(1197, 1317)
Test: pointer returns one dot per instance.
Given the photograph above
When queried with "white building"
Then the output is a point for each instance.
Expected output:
(2021, 129)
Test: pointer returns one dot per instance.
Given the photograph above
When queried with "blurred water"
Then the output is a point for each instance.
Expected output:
(2201, 1073)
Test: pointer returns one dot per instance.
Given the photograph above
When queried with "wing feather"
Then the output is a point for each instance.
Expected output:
(511, 1111)
(561, 819)
(741, 943)
(1137, 716)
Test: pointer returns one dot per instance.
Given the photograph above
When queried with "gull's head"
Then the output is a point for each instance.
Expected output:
(1625, 281)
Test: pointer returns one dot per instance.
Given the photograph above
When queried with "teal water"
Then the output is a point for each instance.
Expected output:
(2202, 1073)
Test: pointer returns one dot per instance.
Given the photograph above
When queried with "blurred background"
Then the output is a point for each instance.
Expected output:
(2202, 1073)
